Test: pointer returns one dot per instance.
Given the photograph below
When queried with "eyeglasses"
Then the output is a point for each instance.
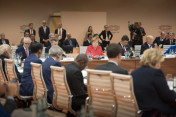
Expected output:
(27, 43)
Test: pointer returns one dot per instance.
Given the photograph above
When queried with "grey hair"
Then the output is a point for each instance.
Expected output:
(54, 50)
(54, 40)
(26, 38)
(51, 34)
(4, 48)
(2, 34)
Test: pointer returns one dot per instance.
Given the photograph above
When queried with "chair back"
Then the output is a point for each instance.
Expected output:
(2, 75)
(10, 70)
(166, 47)
(76, 50)
(101, 93)
(137, 49)
(126, 101)
(40, 89)
(83, 49)
(62, 94)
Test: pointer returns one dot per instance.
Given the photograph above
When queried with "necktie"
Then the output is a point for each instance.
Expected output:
(59, 32)
(27, 54)
(124, 48)
(71, 43)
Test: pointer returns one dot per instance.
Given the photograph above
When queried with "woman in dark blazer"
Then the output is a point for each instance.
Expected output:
(26, 88)
(150, 87)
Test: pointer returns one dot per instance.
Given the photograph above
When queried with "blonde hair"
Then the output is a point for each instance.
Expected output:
(149, 37)
(151, 57)
(94, 39)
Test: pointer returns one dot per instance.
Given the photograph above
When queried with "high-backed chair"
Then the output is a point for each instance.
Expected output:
(137, 49)
(40, 89)
(101, 93)
(62, 96)
(11, 76)
(2, 75)
(126, 101)
(76, 50)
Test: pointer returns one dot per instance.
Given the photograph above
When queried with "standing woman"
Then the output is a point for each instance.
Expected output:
(26, 88)
(150, 87)
(89, 31)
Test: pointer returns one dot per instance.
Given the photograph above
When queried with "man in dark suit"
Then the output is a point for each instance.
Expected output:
(114, 56)
(107, 36)
(26, 87)
(160, 40)
(3, 40)
(61, 34)
(24, 51)
(70, 41)
(125, 46)
(6, 53)
(88, 41)
(44, 32)
(171, 40)
(10, 105)
(31, 30)
(55, 54)
(148, 44)
(75, 81)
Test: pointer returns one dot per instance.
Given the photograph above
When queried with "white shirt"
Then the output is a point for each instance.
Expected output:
(44, 28)
(107, 38)
(31, 31)
(150, 46)
(113, 62)
(122, 46)
(60, 29)
(3, 41)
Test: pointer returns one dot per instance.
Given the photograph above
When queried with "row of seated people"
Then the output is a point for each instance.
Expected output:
(150, 86)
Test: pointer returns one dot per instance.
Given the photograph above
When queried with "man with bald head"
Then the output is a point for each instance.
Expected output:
(44, 32)
(75, 81)
(160, 40)
(3, 40)
(61, 34)
(70, 41)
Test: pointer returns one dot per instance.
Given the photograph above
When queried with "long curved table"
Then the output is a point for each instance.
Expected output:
(168, 66)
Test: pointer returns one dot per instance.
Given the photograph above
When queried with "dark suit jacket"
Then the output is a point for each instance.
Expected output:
(86, 43)
(144, 47)
(158, 41)
(9, 106)
(28, 30)
(109, 66)
(3, 112)
(6, 40)
(44, 35)
(110, 35)
(76, 85)
(127, 49)
(47, 76)
(22, 50)
(63, 34)
(74, 42)
(167, 42)
(26, 88)
(2, 57)
(151, 90)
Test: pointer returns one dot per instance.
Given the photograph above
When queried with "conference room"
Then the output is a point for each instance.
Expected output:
(88, 58)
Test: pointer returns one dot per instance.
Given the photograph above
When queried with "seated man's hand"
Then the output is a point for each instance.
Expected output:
(12, 89)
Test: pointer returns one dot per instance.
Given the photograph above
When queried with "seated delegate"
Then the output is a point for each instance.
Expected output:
(94, 50)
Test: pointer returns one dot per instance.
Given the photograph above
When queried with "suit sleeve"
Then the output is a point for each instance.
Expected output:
(10, 106)
(101, 35)
(55, 31)
(77, 45)
(143, 32)
(142, 49)
(160, 84)
(58, 64)
(111, 35)
(77, 83)
(40, 35)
